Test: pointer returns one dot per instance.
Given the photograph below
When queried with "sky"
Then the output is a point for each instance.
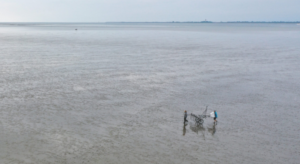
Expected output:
(148, 10)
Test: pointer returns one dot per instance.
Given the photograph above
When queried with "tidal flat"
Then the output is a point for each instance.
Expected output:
(116, 93)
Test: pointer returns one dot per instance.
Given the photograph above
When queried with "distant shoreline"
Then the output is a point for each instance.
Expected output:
(214, 22)
(173, 22)
(157, 22)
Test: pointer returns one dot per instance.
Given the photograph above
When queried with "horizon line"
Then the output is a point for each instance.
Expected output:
(167, 22)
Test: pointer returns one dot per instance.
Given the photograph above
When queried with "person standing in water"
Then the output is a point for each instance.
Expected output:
(216, 116)
(185, 116)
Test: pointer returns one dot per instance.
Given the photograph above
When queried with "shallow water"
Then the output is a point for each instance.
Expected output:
(116, 93)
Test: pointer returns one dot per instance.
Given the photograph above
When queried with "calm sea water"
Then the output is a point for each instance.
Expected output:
(116, 93)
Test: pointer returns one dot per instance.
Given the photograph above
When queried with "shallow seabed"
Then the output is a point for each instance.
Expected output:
(116, 93)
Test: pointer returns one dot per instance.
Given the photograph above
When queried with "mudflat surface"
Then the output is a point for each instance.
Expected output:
(116, 93)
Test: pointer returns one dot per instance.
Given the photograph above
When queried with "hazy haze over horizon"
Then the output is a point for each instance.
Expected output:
(147, 10)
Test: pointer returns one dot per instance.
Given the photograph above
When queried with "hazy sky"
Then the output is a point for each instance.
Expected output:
(147, 10)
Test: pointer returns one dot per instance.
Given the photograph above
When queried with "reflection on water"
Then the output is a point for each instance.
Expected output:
(184, 129)
(212, 129)
(201, 129)
(196, 128)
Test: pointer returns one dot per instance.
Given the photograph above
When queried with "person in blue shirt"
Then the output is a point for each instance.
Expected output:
(216, 116)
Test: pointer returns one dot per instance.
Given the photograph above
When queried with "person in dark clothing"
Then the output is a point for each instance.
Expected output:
(216, 116)
(185, 116)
